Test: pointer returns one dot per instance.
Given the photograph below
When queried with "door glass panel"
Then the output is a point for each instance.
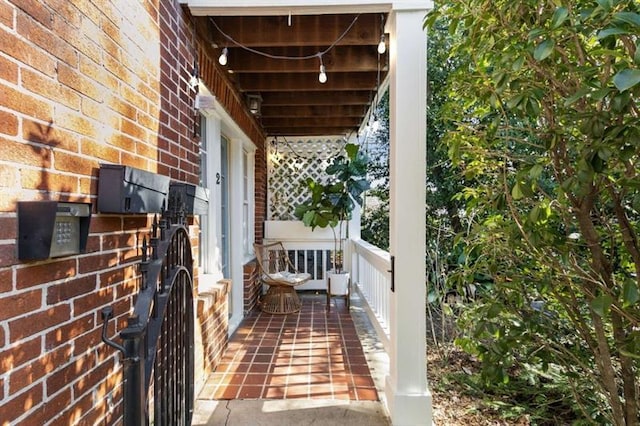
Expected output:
(224, 204)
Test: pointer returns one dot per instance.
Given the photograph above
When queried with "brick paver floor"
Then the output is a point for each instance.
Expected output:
(313, 354)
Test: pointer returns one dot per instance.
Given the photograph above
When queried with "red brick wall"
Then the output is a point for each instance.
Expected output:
(252, 287)
(85, 82)
(213, 316)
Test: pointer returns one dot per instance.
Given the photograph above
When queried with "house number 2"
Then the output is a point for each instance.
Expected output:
(217, 178)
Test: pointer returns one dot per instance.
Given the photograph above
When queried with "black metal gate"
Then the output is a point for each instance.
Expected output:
(158, 340)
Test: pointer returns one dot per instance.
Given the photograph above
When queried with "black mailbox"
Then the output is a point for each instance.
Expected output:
(194, 197)
(124, 189)
(52, 229)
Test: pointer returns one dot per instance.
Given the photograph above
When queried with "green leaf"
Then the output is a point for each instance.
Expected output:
(559, 16)
(533, 34)
(605, 4)
(494, 310)
(544, 49)
(611, 31)
(579, 94)
(515, 101)
(534, 214)
(602, 304)
(517, 64)
(628, 17)
(604, 153)
(536, 171)
(352, 150)
(626, 79)
(516, 192)
(599, 95)
(630, 293)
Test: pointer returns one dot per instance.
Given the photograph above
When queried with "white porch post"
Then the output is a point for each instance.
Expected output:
(408, 398)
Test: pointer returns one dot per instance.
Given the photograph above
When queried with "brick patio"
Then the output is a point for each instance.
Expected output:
(313, 354)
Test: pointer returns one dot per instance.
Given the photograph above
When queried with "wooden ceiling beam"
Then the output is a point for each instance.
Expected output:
(338, 59)
(307, 81)
(360, 97)
(311, 122)
(314, 30)
(308, 131)
(314, 111)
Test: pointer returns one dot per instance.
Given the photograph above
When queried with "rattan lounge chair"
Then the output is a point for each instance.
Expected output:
(277, 271)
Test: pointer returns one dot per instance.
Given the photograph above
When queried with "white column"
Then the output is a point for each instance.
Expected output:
(408, 398)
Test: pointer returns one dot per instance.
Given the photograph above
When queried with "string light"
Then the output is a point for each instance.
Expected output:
(223, 57)
(194, 80)
(382, 46)
(322, 77)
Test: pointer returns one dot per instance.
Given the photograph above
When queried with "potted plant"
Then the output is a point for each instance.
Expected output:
(332, 204)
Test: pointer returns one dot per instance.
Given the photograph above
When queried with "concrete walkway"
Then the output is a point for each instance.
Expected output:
(289, 412)
(301, 412)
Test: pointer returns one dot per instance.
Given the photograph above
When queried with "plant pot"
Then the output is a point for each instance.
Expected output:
(339, 283)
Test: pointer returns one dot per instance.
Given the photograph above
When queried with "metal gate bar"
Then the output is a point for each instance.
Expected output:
(158, 340)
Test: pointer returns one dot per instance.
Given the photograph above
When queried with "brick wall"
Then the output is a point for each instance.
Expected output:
(252, 287)
(84, 82)
(213, 321)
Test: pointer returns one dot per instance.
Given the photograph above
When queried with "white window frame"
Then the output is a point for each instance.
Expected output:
(248, 202)
(240, 148)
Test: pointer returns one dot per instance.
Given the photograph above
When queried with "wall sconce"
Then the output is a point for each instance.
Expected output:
(254, 101)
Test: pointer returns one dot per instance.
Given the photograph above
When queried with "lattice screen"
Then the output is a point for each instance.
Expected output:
(290, 163)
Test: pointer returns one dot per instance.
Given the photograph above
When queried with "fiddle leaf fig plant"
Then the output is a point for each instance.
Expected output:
(332, 204)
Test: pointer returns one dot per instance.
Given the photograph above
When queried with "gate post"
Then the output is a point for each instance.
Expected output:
(134, 376)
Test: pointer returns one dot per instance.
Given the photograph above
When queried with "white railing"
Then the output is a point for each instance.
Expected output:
(371, 274)
(369, 266)
(309, 251)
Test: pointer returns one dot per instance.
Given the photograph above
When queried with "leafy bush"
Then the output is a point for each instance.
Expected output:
(544, 128)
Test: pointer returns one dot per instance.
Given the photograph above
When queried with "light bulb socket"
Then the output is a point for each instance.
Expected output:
(222, 60)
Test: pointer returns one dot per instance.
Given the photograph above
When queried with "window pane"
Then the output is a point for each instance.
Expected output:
(203, 151)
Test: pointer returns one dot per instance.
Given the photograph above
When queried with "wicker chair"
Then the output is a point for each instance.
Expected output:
(277, 271)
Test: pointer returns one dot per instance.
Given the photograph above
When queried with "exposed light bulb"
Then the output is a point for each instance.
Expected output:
(223, 57)
(322, 77)
(194, 80)
(382, 46)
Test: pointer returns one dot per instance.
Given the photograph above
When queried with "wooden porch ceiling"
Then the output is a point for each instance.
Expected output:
(294, 102)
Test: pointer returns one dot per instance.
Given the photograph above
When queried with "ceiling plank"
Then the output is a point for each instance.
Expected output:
(311, 122)
(361, 97)
(314, 30)
(307, 81)
(314, 111)
(308, 131)
(338, 59)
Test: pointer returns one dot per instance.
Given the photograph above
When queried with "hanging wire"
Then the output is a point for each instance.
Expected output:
(291, 58)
